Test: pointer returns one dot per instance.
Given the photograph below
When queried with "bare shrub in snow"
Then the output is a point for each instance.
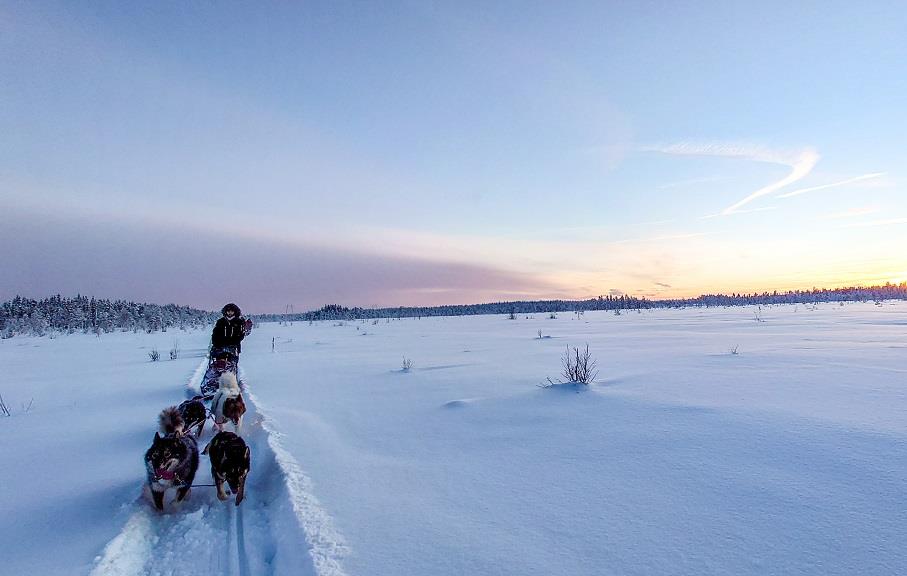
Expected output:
(175, 350)
(733, 350)
(579, 367)
(407, 364)
(154, 355)
(552, 316)
(3, 408)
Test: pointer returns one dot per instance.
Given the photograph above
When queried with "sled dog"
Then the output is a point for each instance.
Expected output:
(194, 414)
(230, 461)
(228, 403)
(172, 460)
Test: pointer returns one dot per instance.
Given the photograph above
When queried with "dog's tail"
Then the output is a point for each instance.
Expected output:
(171, 421)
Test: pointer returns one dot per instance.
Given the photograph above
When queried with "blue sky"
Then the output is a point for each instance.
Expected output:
(449, 152)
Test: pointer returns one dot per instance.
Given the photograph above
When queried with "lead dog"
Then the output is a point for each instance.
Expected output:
(228, 403)
(230, 462)
(172, 460)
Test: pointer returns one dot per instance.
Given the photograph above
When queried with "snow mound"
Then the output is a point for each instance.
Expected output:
(125, 555)
(462, 403)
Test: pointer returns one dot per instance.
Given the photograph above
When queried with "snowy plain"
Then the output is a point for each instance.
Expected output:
(786, 457)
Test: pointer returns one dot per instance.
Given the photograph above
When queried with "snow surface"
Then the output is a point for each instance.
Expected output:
(787, 457)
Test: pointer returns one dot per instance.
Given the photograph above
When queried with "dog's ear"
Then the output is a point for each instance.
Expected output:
(248, 455)
(157, 438)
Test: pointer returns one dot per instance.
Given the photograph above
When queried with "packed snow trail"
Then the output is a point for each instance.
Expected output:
(265, 535)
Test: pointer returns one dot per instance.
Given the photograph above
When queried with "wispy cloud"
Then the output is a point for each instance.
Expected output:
(801, 162)
(833, 184)
(802, 166)
(745, 151)
(852, 213)
(873, 223)
(720, 214)
(662, 238)
(690, 182)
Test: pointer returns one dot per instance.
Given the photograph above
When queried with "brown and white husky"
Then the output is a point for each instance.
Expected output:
(228, 403)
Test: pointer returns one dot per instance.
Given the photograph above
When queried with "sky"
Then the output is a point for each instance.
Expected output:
(416, 153)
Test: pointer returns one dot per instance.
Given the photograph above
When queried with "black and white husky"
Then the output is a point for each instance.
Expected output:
(172, 460)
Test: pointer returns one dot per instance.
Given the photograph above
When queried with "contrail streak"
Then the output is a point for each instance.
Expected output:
(803, 166)
(801, 163)
(832, 185)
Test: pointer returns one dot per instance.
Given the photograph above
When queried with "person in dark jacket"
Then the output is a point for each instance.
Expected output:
(230, 330)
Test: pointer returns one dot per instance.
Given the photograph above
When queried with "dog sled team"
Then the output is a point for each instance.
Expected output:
(173, 458)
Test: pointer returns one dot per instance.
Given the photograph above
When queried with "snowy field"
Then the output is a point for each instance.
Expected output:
(786, 457)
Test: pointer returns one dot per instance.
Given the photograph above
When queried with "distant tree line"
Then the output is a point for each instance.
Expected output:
(622, 302)
(90, 315)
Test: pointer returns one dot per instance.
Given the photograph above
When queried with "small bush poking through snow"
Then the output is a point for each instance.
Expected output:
(578, 368)
(175, 351)
(3, 409)
(154, 355)
(407, 364)
(733, 350)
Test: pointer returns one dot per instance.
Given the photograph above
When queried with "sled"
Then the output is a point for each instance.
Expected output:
(220, 360)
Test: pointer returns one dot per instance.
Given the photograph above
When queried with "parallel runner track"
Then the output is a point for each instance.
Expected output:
(278, 529)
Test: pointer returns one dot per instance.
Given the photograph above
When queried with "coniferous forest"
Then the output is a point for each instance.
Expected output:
(85, 314)
(611, 302)
(91, 315)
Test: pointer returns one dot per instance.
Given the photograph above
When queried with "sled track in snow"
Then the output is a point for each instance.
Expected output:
(279, 529)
